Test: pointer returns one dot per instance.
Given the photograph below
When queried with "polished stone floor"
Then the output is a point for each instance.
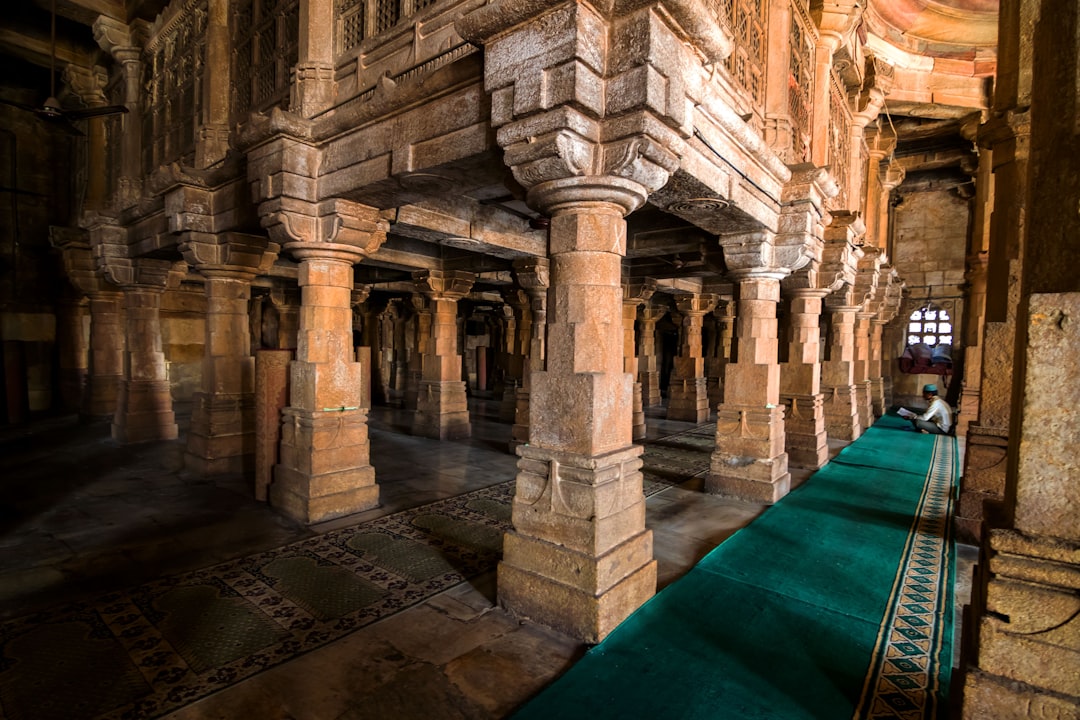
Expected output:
(81, 516)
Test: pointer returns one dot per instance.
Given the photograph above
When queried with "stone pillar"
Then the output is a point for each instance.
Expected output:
(749, 461)
(714, 363)
(838, 375)
(418, 347)
(324, 470)
(89, 84)
(442, 409)
(983, 484)
(861, 369)
(806, 440)
(877, 381)
(532, 275)
(313, 86)
(120, 41)
(579, 557)
(687, 393)
(648, 372)
(144, 409)
(105, 363)
(72, 349)
(212, 138)
(517, 321)
(634, 294)
(222, 420)
(834, 22)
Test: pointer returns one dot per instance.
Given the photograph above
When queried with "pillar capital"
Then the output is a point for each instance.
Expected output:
(593, 194)
(878, 79)
(444, 284)
(87, 83)
(638, 293)
(145, 274)
(230, 254)
(335, 229)
(754, 254)
(359, 295)
(695, 304)
(117, 38)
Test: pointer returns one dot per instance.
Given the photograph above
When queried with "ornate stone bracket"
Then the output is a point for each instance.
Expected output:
(350, 229)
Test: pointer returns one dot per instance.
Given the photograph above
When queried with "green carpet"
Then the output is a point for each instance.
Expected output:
(835, 603)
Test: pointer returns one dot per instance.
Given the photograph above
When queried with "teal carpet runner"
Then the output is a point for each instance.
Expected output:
(835, 603)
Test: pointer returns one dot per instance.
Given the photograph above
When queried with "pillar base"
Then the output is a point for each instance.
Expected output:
(688, 400)
(221, 439)
(749, 462)
(983, 483)
(579, 558)
(806, 440)
(841, 413)
(519, 434)
(442, 411)
(650, 389)
(1029, 645)
(865, 404)
(324, 471)
(877, 397)
(144, 413)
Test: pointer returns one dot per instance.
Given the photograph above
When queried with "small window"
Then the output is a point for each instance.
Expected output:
(931, 326)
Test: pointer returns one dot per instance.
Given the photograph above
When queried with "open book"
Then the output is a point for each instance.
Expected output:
(906, 414)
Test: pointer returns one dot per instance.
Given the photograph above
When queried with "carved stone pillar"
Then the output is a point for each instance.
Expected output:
(579, 556)
(687, 393)
(442, 408)
(518, 329)
(144, 409)
(806, 440)
(834, 21)
(324, 470)
(634, 295)
(222, 420)
(532, 275)
(212, 138)
(714, 363)
(648, 372)
(89, 84)
(983, 484)
(750, 461)
(123, 43)
(418, 347)
(861, 369)
(838, 375)
(313, 86)
(877, 380)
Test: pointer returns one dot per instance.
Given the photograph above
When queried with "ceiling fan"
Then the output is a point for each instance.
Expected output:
(51, 109)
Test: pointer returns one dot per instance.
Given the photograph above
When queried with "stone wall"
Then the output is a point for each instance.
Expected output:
(929, 248)
(183, 336)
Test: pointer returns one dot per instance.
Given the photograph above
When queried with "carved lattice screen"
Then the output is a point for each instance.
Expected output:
(839, 142)
(746, 64)
(265, 49)
(172, 73)
(801, 84)
(358, 19)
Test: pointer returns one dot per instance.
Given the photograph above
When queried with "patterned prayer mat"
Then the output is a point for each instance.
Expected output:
(146, 651)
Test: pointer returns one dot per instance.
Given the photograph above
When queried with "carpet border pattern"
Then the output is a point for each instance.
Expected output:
(904, 678)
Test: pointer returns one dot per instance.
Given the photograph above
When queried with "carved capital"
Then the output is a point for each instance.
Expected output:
(839, 267)
(877, 83)
(867, 276)
(228, 254)
(112, 35)
(144, 273)
(334, 225)
(444, 284)
(87, 83)
(755, 254)
(695, 305)
(638, 293)
(360, 294)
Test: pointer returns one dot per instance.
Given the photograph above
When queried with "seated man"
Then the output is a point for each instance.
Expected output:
(937, 420)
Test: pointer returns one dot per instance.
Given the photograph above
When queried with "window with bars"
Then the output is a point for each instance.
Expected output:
(800, 87)
(930, 325)
(265, 48)
(839, 143)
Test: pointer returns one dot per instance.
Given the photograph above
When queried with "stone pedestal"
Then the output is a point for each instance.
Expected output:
(750, 461)
(648, 372)
(837, 376)
(144, 410)
(579, 558)
(634, 294)
(807, 442)
(688, 397)
(442, 409)
(324, 470)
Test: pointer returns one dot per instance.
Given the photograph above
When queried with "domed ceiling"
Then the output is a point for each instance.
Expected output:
(955, 29)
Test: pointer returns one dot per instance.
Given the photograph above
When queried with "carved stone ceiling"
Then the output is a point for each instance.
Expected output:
(954, 29)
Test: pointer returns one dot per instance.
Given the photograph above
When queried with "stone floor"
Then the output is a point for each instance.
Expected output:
(82, 515)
